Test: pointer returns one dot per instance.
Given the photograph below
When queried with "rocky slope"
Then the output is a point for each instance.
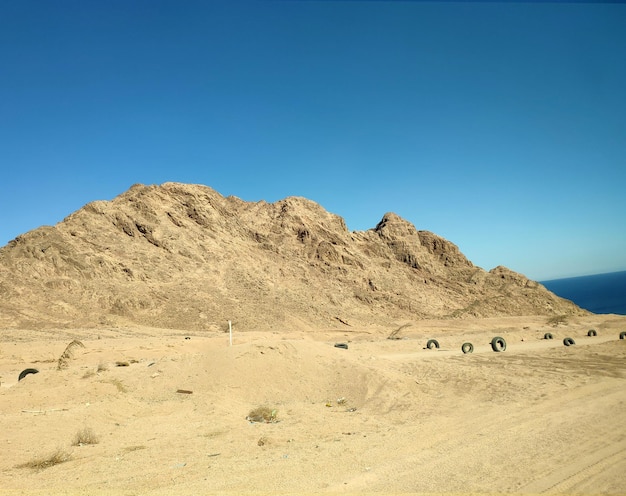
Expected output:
(183, 256)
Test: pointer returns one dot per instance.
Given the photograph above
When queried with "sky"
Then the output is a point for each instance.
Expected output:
(500, 126)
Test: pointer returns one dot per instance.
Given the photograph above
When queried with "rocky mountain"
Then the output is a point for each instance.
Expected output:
(183, 256)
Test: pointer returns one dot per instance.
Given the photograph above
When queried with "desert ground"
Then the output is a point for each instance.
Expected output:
(153, 412)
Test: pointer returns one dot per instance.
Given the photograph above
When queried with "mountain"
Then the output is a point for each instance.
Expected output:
(183, 256)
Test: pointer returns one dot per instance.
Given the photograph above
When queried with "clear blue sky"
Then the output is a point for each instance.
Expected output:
(499, 126)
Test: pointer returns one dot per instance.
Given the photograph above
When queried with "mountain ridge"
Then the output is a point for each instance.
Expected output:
(183, 256)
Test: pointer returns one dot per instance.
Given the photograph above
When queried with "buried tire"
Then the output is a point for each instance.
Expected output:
(467, 348)
(432, 343)
(547, 335)
(592, 332)
(26, 372)
(622, 335)
(498, 344)
(568, 342)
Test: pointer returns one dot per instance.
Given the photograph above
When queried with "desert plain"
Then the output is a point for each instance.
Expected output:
(148, 411)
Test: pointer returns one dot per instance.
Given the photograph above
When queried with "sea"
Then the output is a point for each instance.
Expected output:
(599, 293)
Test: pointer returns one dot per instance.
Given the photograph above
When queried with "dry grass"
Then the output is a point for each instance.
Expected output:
(68, 354)
(102, 367)
(85, 436)
(55, 458)
(394, 334)
(130, 449)
(88, 374)
(121, 387)
(557, 320)
(262, 414)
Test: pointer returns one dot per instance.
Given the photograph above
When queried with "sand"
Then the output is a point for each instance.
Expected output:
(384, 416)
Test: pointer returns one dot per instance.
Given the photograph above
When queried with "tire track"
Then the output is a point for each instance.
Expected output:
(583, 473)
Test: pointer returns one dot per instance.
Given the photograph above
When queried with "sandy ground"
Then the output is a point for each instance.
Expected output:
(384, 416)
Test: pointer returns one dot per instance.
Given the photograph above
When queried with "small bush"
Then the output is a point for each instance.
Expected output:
(557, 320)
(85, 436)
(57, 457)
(262, 414)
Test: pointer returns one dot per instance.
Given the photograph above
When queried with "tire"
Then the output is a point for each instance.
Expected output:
(432, 343)
(498, 344)
(467, 348)
(547, 335)
(592, 332)
(568, 342)
(25, 372)
(342, 345)
(622, 335)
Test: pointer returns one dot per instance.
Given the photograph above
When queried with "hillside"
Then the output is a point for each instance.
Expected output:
(184, 257)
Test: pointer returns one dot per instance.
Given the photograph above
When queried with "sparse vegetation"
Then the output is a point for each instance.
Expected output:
(55, 458)
(85, 436)
(102, 367)
(262, 414)
(214, 434)
(394, 334)
(557, 320)
(68, 354)
(130, 449)
(88, 374)
(121, 387)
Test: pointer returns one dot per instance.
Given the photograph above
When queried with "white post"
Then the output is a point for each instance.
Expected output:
(230, 332)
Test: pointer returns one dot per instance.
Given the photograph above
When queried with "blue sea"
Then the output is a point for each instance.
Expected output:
(600, 293)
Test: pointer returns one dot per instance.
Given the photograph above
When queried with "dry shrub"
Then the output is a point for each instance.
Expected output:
(58, 456)
(262, 414)
(85, 436)
(68, 354)
(102, 367)
(394, 334)
(118, 384)
(88, 374)
(557, 320)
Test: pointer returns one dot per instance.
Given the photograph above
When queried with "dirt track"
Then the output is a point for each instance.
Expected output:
(537, 418)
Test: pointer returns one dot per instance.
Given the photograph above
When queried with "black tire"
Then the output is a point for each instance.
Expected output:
(342, 345)
(547, 335)
(467, 348)
(432, 343)
(592, 332)
(25, 372)
(622, 335)
(568, 342)
(498, 344)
